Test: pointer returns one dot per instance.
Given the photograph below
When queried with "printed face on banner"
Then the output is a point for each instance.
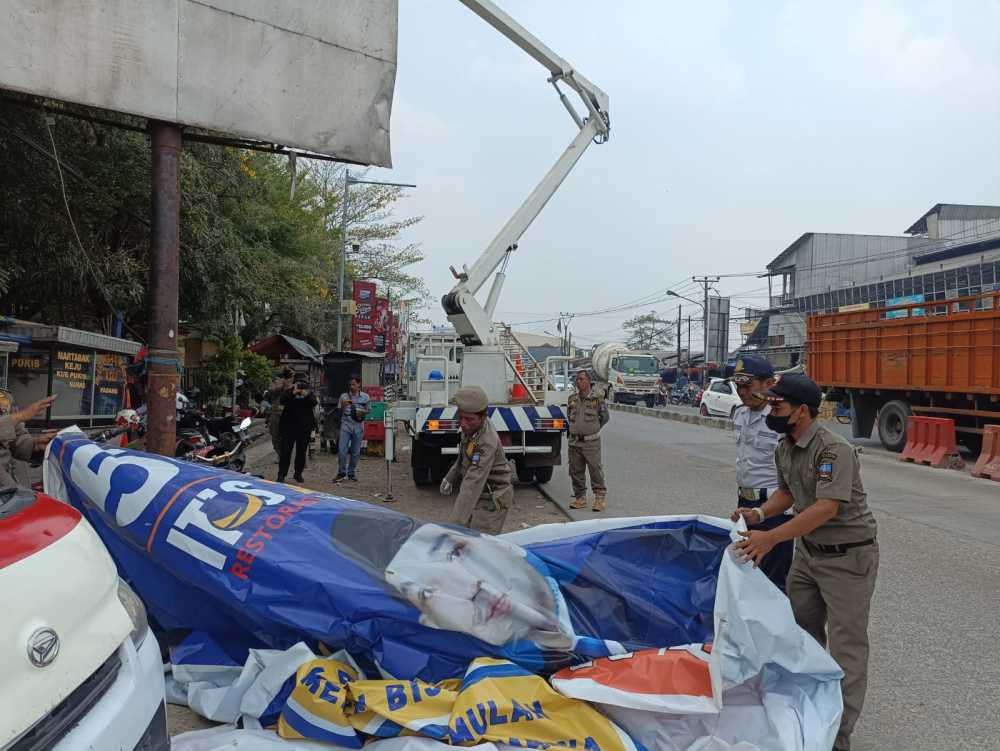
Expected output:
(475, 584)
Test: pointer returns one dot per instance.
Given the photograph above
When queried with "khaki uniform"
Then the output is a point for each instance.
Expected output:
(487, 485)
(15, 443)
(274, 419)
(587, 415)
(832, 578)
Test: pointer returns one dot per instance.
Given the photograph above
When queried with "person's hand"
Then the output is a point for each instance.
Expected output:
(42, 440)
(750, 515)
(34, 410)
(446, 487)
(758, 543)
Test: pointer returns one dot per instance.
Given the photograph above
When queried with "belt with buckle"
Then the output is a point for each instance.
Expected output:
(752, 494)
(836, 549)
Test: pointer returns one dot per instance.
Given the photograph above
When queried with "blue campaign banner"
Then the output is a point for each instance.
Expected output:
(255, 563)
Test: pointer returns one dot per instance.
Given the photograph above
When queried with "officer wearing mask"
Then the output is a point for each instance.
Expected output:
(486, 489)
(15, 441)
(587, 413)
(832, 578)
(756, 474)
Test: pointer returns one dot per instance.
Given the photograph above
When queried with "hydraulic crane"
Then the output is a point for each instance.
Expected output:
(484, 361)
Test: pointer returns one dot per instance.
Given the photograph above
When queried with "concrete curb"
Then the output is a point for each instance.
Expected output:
(563, 506)
(721, 423)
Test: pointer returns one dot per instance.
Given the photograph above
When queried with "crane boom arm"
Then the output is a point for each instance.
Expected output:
(472, 321)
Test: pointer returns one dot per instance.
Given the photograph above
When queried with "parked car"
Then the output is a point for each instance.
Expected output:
(81, 669)
(720, 399)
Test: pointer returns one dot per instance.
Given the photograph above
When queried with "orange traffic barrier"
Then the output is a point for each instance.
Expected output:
(988, 464)
(931, 441)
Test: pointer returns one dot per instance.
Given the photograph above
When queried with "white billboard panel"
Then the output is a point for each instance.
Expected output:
(312, 74)
(718, 329)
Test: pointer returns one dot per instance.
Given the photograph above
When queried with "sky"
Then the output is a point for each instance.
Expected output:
(735, 127)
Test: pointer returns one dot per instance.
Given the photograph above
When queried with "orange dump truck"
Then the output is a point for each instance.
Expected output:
(934, 359)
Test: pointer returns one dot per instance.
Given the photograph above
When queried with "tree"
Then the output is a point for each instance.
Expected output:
(249, 243)
(649, 332)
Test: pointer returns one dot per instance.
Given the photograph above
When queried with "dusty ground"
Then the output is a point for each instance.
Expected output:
(530, 508)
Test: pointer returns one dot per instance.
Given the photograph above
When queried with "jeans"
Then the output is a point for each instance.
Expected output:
(349, 446)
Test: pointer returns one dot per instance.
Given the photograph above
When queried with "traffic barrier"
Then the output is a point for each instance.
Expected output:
(988, 464)
(931, 441)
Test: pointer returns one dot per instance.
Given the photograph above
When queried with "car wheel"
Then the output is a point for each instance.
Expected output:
(543, 474)
(732, 413)
(704, 410)
(892, 419)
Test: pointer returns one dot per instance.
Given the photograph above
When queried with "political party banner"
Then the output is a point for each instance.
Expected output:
(381, 323)
(362, 337)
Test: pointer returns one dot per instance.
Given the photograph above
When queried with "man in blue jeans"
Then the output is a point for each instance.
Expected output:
(353, 408)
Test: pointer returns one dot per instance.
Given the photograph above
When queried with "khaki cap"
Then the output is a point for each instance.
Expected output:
(471, 399)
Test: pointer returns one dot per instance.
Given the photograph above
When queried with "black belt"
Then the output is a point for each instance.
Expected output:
(836, 549)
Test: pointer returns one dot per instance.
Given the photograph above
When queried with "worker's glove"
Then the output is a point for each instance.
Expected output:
(446, 487)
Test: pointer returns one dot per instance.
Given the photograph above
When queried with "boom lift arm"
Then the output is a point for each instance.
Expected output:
(474, 322)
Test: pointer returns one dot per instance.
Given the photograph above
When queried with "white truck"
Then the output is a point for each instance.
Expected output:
(627, 376)
(526, 407)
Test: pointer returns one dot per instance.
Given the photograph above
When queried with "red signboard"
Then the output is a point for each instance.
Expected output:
(363, 330)
(381, 323)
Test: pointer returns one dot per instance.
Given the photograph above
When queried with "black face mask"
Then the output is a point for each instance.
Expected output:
(779, 424)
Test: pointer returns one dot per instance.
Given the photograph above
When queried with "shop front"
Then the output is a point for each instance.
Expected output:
(87, 372)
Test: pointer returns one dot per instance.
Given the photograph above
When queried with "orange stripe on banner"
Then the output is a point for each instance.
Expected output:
(156, 524)
(676, 672)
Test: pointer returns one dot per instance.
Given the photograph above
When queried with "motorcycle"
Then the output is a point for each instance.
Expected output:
(228, 451)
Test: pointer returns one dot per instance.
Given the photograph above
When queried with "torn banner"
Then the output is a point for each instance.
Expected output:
(255, 563)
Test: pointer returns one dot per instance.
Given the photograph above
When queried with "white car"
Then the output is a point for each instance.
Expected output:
(720, 398)
(81, 669)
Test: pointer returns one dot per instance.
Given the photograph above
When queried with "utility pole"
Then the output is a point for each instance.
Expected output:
(689, 341)
(164, 282)
(706, 282)
(343, 258)
(678, 339)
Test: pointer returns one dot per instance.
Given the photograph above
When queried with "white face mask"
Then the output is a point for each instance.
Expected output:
(477, 585)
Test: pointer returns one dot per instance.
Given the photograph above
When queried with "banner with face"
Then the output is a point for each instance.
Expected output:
(256, 563)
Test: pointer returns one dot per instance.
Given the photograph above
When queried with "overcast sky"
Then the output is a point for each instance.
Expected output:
(736, 127)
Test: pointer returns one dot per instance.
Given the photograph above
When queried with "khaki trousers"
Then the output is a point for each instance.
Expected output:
(584, 456)
(831, 596)
(273, 427)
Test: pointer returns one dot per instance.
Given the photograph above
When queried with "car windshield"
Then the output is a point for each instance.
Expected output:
(637, 365)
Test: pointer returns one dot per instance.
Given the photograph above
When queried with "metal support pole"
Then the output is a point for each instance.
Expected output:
(162, 363)
(678, 339)
(343, 258)
(689, 341)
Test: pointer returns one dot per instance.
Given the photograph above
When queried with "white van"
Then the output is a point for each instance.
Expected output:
(79, 668)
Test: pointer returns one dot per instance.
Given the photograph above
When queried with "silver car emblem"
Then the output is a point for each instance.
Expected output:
(43, 647)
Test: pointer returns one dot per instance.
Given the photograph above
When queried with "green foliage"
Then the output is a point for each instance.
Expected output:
(650, 332)
(233, 361)
(248, 243)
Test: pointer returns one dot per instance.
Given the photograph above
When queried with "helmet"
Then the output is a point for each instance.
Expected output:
(128, 417)
(6, 402)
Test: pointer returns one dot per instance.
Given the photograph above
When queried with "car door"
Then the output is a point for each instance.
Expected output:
(716, 396)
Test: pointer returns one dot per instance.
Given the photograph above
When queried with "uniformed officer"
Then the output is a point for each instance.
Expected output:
(15, 441)
(832, 578)
(278, 389)
(756, 475)
(587, 413)
(487, 486)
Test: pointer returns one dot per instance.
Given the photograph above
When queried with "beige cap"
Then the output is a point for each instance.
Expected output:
(471, 399)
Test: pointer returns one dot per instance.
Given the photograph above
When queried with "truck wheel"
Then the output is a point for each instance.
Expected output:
(438, 470)
(525, 474)
(892, 424)
(421, 476)
(543, 474)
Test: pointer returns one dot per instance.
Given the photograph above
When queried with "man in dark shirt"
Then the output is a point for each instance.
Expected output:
(297, 422)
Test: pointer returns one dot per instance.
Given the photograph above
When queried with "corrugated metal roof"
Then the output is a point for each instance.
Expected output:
(75, 337)
(782, 257)
(303, 348)
(963, 211)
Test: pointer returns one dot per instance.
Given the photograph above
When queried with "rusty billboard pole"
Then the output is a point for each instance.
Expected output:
(164, 269)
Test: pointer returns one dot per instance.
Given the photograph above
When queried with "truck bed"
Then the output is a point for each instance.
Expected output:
(943, 346)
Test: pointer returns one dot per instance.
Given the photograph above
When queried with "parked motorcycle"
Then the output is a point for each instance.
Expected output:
(227, 451)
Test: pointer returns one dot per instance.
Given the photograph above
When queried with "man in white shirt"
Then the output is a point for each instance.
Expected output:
(756, 474)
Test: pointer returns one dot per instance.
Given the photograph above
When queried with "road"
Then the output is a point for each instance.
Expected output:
(934, 681)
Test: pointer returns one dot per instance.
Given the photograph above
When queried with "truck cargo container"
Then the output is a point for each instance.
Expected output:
(936, 358)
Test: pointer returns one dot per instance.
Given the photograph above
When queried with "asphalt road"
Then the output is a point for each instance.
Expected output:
(934, 680)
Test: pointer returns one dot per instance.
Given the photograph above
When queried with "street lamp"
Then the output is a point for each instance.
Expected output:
(695, 302)
(348, 182)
